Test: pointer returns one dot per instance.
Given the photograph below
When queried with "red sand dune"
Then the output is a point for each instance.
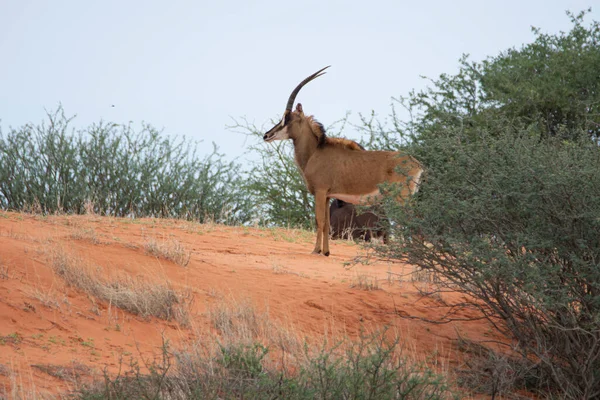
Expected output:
(272, 267)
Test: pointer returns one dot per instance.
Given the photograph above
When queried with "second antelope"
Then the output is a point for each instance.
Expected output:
(339, 168)
(346, 223)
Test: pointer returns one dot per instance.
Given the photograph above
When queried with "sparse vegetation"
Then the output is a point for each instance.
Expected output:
(280, 270)
(11, 339)
(56, 340)
(494, 372)
(3, 270)
(365, 281)
(134, 295)
(171, 250)
(73, 373)
(111, 169)
(4, 370)
(87, 234)
(372, 367)
(240, 322)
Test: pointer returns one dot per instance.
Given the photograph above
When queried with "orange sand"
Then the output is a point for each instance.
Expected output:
(272, 267)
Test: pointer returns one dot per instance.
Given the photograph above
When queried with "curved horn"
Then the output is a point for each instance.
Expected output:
(290, 102)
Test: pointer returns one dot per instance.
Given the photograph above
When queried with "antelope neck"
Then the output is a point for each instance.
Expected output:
(304, 147)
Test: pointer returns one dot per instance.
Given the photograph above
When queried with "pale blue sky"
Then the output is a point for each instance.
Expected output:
(189, 66)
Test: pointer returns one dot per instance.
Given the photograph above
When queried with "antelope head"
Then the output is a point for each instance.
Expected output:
(282, 130)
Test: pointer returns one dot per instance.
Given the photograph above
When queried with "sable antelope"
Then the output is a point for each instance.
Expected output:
(346, 223)
(339, 168)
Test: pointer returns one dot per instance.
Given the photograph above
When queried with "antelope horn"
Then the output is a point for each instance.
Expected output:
(290, 102)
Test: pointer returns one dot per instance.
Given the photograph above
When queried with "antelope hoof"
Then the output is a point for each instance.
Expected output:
(316, 252)
(326, 254)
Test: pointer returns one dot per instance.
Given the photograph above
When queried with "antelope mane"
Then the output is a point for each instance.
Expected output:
(323, 140)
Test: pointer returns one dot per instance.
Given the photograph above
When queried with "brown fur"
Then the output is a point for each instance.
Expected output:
(323, 140)
(345, 143)
(347, 224)
(335, 167)
(317, 129)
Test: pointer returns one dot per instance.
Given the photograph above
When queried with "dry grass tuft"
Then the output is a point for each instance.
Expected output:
(3, 271)
(134, 295)
(51, 299)
(90, 207)
(86, 234)
(365, 281)
(280, 270)
(70, 373)
(241, 322)
(171, 250)
(290, 235)
(4, 370)
(425, 276)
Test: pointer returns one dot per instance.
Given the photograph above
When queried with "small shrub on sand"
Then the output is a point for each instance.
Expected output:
(365, 281)
(3, 271)
(131, 294)
(86, 234)
(50, 298)
(171, 250)
(241, 322)
(71, 373)
(369, 368)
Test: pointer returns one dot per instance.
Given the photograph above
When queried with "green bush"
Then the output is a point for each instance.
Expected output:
(508, 210)
(117, 171)
(276, 183)
(368, 369)
(513, 222)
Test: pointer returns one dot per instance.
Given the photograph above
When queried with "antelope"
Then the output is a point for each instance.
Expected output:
(347, 224)
(339, 168)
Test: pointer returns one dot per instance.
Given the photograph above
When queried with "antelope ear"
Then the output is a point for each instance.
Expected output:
(319, 132)
(299, 108)
(286, 118)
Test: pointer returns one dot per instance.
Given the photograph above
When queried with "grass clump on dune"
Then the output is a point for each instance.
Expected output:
(147, 299)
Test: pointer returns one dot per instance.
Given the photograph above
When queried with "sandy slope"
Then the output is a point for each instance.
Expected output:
(42, 321)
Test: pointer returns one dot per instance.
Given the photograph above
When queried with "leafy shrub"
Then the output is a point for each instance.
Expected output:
(368, 369)
(276, 183)
(508, 210)
(513, 222)
(119, 171)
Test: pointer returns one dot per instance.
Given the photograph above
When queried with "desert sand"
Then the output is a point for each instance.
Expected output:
(47, 324)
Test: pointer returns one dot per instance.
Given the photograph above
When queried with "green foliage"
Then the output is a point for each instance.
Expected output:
(514, 223)
(548, 87)
(508, 210)
(552, 82)
(244, 361)
(276, 183)
(387, 135)
(368, 369)
(117, 170)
